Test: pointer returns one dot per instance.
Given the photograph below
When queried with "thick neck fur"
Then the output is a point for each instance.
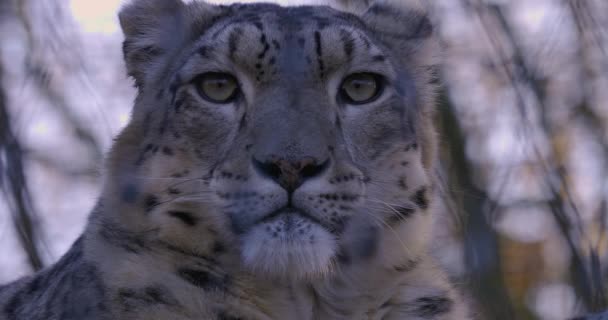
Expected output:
(142, 273)
(153, 264)
(150, 272)
(164, 241)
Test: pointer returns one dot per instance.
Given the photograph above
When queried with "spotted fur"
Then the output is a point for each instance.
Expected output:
(287, 203)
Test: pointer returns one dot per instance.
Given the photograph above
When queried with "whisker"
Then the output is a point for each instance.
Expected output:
(178, 181)
(186, 197)
(392, 230)
(163, 178)
(392, 205)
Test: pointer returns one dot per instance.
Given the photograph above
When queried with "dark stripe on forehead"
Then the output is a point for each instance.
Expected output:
(366, 42)
(318, 46)
(204, 52)
(348, 41)
(319, 49)
(233, 40)
(235, 33)
(231, 21)
(266, 45)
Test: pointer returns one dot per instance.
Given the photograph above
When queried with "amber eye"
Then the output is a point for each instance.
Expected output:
(361, 88)
(217, 87)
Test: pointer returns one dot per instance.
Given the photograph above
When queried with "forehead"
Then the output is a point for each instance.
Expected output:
(290, 19)
(267, 36)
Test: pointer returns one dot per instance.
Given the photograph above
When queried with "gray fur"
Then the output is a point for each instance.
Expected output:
(72, 289)
(286, 203)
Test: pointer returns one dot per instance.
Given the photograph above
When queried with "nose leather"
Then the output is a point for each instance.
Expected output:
(290, 174)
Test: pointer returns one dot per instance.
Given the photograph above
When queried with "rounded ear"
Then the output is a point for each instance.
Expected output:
(147, 26)
(405, 28)
(403, 25)
(399, 20)
(360, 7)
(154, 29)
(142, 17)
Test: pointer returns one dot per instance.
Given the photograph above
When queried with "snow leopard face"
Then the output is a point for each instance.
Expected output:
(299, 137)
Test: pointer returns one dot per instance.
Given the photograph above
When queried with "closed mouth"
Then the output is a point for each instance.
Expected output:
(241, 227)
(289, 210)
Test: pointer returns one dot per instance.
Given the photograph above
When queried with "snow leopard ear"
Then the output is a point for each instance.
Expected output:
(401, 24)
(154, 29)
(149, 27)
(404, 27)
(401, 19)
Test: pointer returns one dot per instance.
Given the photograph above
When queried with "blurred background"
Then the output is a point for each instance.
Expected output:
(523, 120)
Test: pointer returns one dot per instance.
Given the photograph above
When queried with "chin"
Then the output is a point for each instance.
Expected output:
(288, 247)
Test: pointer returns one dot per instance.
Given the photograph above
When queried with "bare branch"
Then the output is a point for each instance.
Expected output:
(14, 186)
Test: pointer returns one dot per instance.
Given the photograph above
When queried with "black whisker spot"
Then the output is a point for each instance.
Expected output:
(223, 315)
(420, 198)
(186, 217)
(150, 202)
(203, 279)
(408, 265)
(399, 215)
(168, 151)
(432, 306)
(129, 193)
(218, 247)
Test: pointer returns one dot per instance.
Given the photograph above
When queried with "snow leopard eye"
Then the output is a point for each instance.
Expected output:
(217, 87)
(361, 88)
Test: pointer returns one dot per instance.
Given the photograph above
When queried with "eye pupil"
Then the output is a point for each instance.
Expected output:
(217, 87)
(361, 88)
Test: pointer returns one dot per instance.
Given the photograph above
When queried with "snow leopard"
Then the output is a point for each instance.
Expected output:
(278, 164)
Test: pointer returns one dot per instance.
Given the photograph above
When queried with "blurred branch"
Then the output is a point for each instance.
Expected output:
(14, 185)
(585, 20)
(597, 316)
(561, 203)
(585, 24)
(67, 169)
(480, 240)
(41, 70)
